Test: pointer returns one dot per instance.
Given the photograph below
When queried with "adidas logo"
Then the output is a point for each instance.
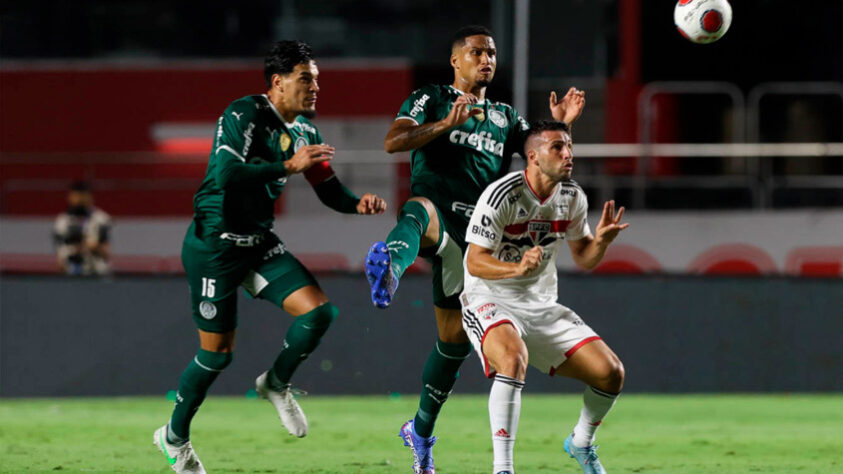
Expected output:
(522, 212)
(502, 433)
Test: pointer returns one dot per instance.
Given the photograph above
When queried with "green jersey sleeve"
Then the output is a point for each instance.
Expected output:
(232, 144)
(418, 106)
(517, 135)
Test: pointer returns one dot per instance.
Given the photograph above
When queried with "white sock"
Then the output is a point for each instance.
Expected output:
(504, 411)
(596, 403)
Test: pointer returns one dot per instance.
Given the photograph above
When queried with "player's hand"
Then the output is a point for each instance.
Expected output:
(462, 111)
(371, 204)
(610, 224)
(308, 156)
(530, 261)
(569, 108)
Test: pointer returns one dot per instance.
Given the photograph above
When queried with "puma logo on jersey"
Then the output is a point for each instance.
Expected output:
(418, 105)
(236, 115)
(479, 141)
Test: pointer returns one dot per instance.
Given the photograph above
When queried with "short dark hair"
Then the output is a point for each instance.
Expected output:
(80, 186)
(283, 57)
(536, 128)
(471, 30)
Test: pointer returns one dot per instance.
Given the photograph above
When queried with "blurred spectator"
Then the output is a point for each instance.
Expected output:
(81, 234)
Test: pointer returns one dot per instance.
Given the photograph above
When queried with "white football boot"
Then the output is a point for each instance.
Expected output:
(291, 414)
(182, 458)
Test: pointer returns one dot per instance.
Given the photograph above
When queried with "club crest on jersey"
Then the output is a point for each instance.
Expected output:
(300, 142)
(207, 310)
(487, 311)
(285, 142)
(498, 118)
(538, 230)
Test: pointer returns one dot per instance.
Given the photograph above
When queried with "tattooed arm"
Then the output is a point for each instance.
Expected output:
(405, 135)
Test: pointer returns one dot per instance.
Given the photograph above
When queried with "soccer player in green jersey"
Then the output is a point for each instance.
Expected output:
(460, 142)
(261, 140)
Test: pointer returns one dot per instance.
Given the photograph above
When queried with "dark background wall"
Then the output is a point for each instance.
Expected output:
(70, 337)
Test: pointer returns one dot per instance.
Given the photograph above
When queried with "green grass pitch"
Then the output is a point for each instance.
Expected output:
(645, 433)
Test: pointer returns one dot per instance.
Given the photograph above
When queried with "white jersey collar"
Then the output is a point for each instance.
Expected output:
(533, 193)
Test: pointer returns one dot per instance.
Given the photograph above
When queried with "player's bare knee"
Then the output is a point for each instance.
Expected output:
(513, 363)
(613, 376)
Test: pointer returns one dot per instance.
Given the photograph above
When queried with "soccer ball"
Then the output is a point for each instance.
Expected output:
(702, 21)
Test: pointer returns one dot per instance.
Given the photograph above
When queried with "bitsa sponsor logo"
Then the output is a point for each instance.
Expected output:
(418, 105)
(479, 141)
(485, 233)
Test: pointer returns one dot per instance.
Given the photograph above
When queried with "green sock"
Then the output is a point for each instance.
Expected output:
(405, 238)
(301, 339)
(440, 374)
(193, 386)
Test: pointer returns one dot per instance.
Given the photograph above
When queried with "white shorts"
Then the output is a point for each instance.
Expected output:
(552, 332)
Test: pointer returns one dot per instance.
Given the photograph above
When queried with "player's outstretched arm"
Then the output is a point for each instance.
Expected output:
(405, 135)
(482, 264)
(234, 172)
(335, 195)
(569, 108)
(589, 251)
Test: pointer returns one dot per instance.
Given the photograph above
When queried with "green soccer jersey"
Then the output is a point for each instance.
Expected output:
(237, 199)
(453, 169)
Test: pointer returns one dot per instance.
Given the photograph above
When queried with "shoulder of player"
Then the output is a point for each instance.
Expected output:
(432, 91)
(571, 184)
(572, 188)
(245, 108)
(500, 192)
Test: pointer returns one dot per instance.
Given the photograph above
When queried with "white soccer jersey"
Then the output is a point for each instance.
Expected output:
(510, 219)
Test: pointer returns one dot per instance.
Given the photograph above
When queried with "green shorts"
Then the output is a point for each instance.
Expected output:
(216, 267)
(447, 259)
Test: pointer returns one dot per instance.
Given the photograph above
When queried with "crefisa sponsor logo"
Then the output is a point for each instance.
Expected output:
(418, 105)
(479, 141)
